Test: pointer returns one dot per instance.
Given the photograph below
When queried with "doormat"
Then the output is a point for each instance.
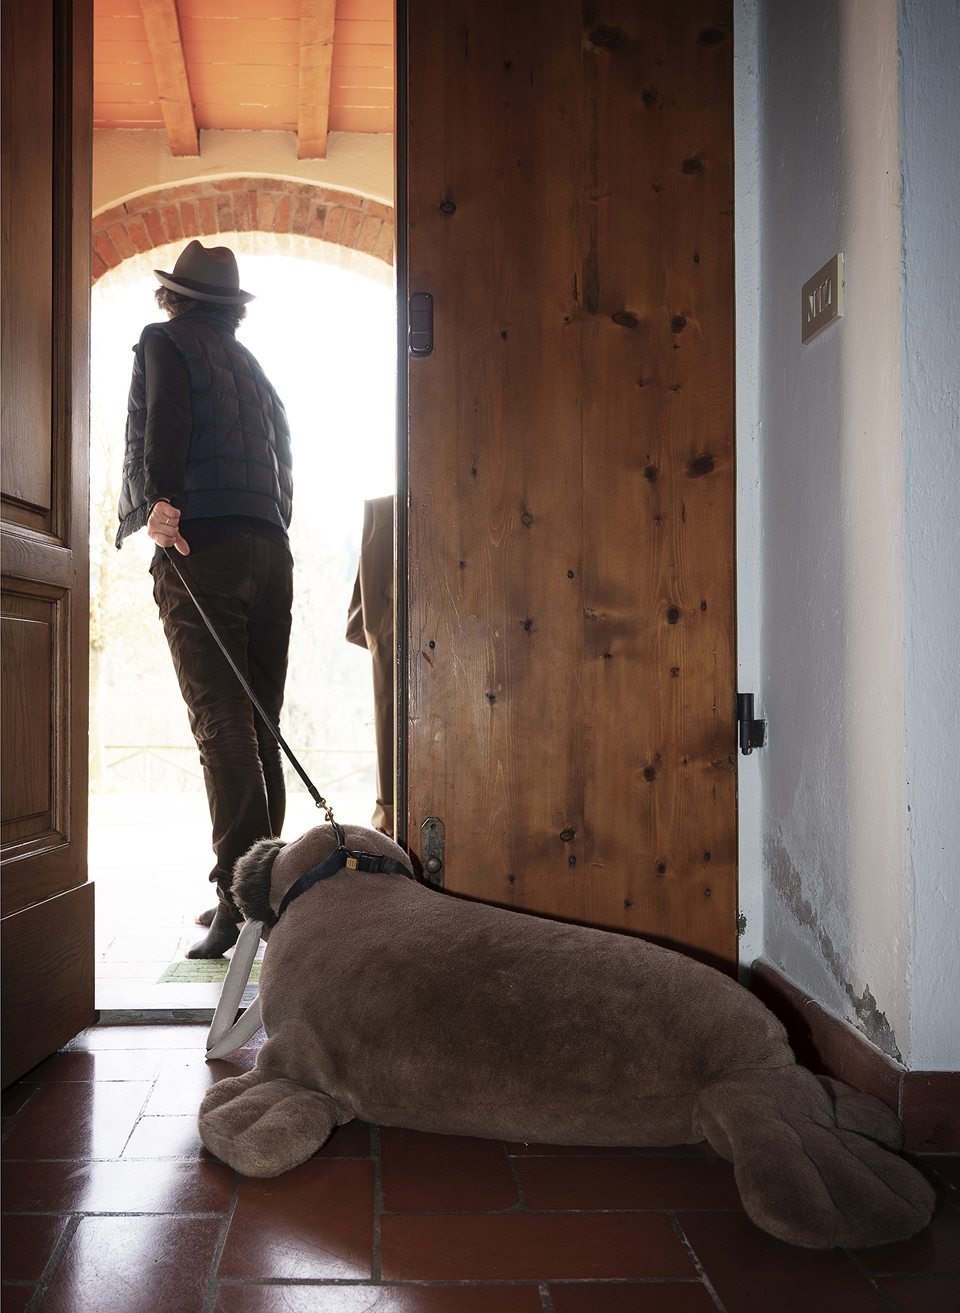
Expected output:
(203, 971)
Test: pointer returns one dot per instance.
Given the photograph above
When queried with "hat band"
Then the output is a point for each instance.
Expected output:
(209, 289)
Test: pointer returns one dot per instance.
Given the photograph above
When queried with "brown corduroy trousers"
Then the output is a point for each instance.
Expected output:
(245, 584)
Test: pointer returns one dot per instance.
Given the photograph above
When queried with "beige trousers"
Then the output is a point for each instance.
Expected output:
(370, 625)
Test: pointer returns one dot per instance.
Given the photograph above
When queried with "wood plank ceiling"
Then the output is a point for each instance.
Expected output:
(304, 66)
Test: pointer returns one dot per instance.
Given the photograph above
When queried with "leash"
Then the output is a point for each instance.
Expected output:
(274, 730)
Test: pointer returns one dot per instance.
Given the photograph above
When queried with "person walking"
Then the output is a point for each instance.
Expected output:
(208, 472)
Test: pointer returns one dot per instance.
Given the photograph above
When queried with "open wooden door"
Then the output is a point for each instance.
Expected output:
(47, 906)
(570, 532)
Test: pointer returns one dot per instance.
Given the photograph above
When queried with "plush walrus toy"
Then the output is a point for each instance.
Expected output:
(386, 1000)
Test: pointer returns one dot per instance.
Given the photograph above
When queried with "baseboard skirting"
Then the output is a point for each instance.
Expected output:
(927, 1102)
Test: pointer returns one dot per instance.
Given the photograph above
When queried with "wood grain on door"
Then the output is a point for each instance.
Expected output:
(571, 655)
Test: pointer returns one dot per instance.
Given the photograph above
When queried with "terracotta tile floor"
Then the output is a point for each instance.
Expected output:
(112, 1206)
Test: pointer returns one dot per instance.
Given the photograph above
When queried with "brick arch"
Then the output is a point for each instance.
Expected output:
(240, 205)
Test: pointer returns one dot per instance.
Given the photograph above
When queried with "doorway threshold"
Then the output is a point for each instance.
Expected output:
(161, 1005)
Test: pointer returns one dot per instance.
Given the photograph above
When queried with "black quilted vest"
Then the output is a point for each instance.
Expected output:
(239, 461)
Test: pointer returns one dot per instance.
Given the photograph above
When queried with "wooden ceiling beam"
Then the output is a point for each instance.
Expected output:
(162, 22)
(316, 57)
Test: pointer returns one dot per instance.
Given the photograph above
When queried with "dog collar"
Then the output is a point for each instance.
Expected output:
(338, 859)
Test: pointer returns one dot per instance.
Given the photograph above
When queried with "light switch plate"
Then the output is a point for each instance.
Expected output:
(822, 298)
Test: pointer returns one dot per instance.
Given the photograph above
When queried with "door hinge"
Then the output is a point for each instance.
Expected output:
(751, 731)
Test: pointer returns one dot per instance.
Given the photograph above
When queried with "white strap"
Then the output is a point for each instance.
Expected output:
(225, 1037)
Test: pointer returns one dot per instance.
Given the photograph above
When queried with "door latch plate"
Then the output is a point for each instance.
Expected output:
(432, 839)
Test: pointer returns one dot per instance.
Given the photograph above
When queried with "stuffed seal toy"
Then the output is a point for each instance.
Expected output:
(389, 1001)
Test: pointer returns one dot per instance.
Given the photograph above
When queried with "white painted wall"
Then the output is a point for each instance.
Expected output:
(747, 188)
(930, 295)
(838, 894)
(128, 161)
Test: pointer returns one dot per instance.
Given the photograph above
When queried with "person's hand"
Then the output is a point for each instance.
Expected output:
(163, 527)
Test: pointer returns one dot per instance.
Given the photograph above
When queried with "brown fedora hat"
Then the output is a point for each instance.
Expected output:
(206, 274)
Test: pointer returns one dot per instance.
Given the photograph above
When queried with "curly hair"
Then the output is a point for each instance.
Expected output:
(175, 304)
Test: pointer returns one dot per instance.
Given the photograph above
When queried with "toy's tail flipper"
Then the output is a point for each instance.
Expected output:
(813, 1160)
(262, 1125)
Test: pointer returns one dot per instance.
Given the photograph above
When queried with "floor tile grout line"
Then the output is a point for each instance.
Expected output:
(82, 1213)
(514, 1211)
(112, 1158)
(14, 1121)
(466, 1282)
(54, 1261)
(161, 1062)
(871, 1279)
(524, 1207)
(628, 1155)
(545, 1299)
(212, 1283)
(378, 1210)
(692, 1255)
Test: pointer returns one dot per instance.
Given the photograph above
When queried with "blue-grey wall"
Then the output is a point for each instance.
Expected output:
(929, 113)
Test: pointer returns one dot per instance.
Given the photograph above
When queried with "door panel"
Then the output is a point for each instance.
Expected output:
(571, 483)
(47, 905)
(47, 977)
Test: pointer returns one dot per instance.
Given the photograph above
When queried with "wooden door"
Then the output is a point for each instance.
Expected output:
(47, 906)
(570, 495)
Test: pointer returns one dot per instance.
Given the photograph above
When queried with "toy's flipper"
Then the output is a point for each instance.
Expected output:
(225, 1037)
(864, 1113)
(812, 1161)
(262, 1126)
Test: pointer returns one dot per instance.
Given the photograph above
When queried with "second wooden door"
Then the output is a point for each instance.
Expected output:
(47, 905)
(570, 499)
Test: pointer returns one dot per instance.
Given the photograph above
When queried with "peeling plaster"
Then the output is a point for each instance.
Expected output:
(788, 885)
(874, 1023)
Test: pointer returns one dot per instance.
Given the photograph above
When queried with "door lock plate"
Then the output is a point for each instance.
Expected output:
(432, 837)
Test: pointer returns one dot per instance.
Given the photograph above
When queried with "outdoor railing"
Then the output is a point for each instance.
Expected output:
(156, 763)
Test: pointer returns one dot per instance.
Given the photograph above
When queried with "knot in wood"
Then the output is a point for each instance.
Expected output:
(605, 37)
